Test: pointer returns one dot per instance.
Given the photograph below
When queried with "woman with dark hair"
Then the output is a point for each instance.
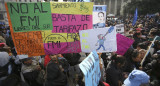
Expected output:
(132, 62)
(114, 70)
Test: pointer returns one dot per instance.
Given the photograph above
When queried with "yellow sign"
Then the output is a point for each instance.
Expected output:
(62, 37)
(72, 8)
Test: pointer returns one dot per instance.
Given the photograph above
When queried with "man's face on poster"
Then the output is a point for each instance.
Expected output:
(101, 17)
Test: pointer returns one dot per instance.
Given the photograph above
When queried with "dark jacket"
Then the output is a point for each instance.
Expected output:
(113, 74)
(130, 65)
(55, 77)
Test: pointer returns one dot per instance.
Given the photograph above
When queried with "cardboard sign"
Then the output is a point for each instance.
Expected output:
(101, 40)
(91, 69)
(80, 8)
(51, 27)
(99, 16)
(61, 42)
(123, 43)
(30, 16)
(120, 29)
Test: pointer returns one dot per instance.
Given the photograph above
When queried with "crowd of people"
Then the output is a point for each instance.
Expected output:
(135, 68)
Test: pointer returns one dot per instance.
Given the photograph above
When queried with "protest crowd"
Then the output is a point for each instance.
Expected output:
(139, 66)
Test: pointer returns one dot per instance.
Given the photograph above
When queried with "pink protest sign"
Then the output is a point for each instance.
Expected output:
(70, 23)
(62, 47)
(123, 43)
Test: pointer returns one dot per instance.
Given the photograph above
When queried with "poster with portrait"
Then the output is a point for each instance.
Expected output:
(99, 16)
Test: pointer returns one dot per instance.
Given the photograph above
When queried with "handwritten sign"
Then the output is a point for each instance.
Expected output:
(30, 16)
(48, 28)
(61, 42)
(29, 43)
(99, 40)
(82, 8)
(99, 16)
(69, 23)
(123, 43)
(120, 29)
(91, 69)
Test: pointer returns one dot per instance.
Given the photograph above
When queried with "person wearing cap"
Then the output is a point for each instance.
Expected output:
(29, 70)
(137, 78)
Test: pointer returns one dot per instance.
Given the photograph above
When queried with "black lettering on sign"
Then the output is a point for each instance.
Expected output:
(40, 9)
(83, 7)
(64, 5)
(16, 9)
(118, 30)
(99, 8)
(83, 18)
(63, 17)
(21, 28)
(54, 41)
(23, 7)
(36, 7)
(57, 43)
(22, 19)
(43, 11)
(35, 19)
(70, 28)
(29, 20)
(73, 36)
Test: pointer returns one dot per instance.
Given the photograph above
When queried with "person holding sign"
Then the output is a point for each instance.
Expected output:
(54, 73)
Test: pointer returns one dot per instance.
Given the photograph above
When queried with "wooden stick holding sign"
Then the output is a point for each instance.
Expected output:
(148, 50)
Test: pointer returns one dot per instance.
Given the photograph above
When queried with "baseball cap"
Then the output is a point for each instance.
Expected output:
(136, 78)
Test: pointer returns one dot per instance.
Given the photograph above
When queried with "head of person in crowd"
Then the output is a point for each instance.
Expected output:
(54, 58)
(138, 30)
(157, 45)
(142, 45)
(152, 33)
(4, 58)
(137, 78)
(4, 31)
(135, 56)
(72, 58)
(119, 60)
(140, 26)
(137, 35)
(25, 60)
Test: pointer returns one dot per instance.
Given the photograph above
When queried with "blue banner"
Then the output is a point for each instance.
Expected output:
(135, 17)
(91, 69)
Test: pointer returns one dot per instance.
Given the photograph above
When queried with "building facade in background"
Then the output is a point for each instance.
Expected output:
(115, 7)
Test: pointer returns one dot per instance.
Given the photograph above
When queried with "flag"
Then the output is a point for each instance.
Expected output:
(135, 17)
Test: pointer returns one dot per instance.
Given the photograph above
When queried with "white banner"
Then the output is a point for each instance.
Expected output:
(101, 40)
(120, 28)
